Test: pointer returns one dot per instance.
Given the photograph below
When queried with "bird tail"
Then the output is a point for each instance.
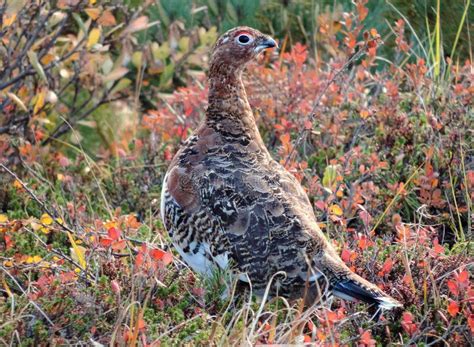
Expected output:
(356, 288)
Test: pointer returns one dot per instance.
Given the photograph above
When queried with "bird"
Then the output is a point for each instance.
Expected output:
(227, 204)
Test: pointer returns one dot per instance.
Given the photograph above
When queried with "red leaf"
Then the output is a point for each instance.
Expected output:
(453, 287)
(453, 308)
(115, 286)
(163, 256)
(8, 242)
(106, 242)
(366, 339)
(438, 249)
(463, 277)
(387, 267)
(470, 321)
(346, 255)
(139, 260)
(320, 205)
(114, 233)
(407, 323)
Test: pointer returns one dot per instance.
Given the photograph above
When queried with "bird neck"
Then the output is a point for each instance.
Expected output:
(228, 104)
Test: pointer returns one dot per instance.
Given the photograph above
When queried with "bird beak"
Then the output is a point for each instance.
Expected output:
(267, 42)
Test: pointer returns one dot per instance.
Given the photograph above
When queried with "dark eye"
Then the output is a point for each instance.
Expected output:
(243, 39)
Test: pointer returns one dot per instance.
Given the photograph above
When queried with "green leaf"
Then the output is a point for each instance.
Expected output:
(121, 85)
(79, 22)
(160, 52)
(36, 65)
(167, 74)
(330, 175)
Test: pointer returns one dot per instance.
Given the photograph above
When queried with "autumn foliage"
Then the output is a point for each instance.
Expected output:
(94, 105)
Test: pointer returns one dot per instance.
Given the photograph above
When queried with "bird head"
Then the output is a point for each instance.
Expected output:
(234, 49)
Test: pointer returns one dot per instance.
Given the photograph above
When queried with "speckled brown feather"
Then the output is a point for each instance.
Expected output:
(227, 203)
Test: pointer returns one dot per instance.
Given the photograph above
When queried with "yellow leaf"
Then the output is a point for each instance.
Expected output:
(59, 221)
(93, 38)
(45, 265)
(137, 59)
(3, 218)
(92, 2)
(110, 224)
(17, 184)
(45, 230)
(94, 13)
(335, 210)
(33, 259)
(7, 288)
(39, 102)
(46, 219)
(77, 252)
(8, 263)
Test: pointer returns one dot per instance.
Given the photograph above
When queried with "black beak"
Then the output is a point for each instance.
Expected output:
(268, 43)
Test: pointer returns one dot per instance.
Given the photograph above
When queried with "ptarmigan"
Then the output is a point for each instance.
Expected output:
(226, 203)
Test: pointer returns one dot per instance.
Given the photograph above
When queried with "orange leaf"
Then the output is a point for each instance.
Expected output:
(453, 308)
(93, 13)
(119, 245)
(132, 222)
(141, 324)
(285, 139)
(107, 19)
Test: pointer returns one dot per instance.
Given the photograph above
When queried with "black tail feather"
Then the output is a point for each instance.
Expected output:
(351, 290)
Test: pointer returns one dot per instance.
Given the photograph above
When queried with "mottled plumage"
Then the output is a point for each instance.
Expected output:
(227, 203)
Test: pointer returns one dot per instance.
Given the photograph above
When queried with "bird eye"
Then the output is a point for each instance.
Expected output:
(243, 39)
